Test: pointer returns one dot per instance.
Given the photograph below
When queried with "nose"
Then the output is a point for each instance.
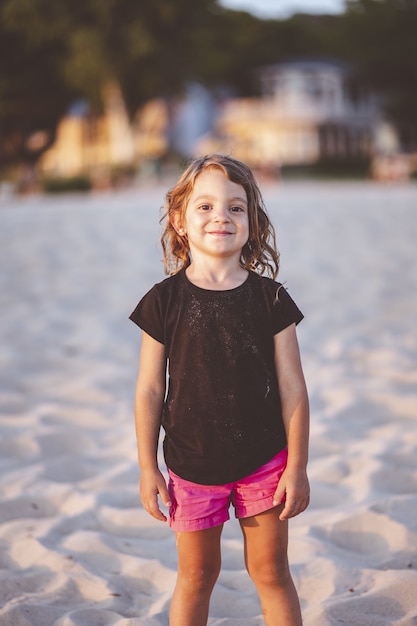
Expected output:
(221, 213)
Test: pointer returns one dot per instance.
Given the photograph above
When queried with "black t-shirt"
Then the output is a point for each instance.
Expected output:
(222, 414)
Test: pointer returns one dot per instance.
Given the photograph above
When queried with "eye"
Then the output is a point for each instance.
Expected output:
(237, 209)
(204, 207)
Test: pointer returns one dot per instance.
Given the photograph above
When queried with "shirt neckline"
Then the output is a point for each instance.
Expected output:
(217, 291)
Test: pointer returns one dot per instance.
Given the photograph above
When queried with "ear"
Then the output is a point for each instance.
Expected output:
(176, 222)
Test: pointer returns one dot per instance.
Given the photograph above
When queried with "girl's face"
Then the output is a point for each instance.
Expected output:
(216, 217)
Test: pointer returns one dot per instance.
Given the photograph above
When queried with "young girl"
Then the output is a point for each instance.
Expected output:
(235, 413)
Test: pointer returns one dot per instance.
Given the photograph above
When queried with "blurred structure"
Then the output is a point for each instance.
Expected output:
(308, 112)
(388, 163)
(191, 117)
(92, 144)
(150, 131)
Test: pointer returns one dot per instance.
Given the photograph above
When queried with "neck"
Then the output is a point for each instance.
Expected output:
(219, 276)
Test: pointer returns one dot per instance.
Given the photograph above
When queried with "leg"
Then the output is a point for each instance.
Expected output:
(266, 542)
(199, 562)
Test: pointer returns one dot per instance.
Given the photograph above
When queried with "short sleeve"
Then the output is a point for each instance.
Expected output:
(148, 315)
(285, 311)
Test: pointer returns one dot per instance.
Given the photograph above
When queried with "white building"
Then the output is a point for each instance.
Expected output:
(307, 111)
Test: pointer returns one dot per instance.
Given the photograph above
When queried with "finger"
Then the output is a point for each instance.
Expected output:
(278, 499)
(294, 507)
(279, 496)
(156, 513)
(164, 494)
(290, 509)
(305, 503)
(151, 506)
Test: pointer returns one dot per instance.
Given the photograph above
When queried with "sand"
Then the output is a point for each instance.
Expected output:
(76, 547)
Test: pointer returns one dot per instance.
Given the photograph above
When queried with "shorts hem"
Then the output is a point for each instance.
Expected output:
(204, 523)
(260, 506)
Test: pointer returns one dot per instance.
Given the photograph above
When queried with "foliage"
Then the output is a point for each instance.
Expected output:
(384, 33)
(52, 53)
(64, 185)
(32, 91)
(338, 168)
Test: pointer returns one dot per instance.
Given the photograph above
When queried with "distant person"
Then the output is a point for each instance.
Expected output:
(236, 413)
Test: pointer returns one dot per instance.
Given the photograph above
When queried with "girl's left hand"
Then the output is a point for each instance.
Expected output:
(294, 491)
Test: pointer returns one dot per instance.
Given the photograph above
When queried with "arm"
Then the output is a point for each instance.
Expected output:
(293, 485)
(149, 398)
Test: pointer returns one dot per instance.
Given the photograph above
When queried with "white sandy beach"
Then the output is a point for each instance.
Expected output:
(76, 547)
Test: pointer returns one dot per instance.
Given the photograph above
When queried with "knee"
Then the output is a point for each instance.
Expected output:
(199, 580)
(273, 573)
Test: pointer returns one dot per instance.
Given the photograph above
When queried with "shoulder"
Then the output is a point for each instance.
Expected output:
(283, 308)
(167, 283)
(266, 284)
(151, 311)
(154, 297)
(164, 287)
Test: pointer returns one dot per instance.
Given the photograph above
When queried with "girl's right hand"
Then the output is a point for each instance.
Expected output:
(152, 484)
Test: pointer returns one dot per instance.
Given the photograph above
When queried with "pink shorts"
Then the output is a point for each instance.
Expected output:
(197, 507)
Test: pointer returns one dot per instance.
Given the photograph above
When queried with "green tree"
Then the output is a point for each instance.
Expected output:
(33, 94)
(54, 52)
(380, 37)
(231, 45)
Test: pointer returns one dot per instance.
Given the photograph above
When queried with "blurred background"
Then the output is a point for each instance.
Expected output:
(114, 96)
(100, 93)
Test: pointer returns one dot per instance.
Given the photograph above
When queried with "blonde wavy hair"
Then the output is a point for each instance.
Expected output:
(259, 254)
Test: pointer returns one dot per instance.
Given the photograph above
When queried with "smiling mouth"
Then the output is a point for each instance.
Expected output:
(219, 232)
